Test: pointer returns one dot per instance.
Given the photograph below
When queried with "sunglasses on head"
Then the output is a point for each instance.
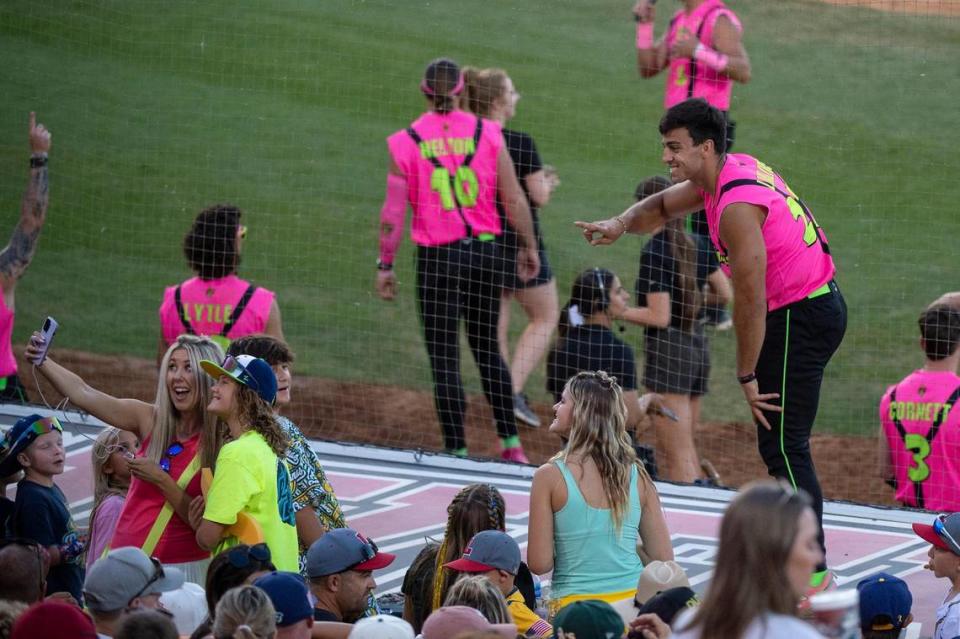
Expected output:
(939, 527)
(233, 366)
(240, 556)
(40, 427)
(154, 578)
(175, 449)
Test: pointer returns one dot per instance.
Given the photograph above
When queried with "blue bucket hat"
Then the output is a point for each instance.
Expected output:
(18, 438)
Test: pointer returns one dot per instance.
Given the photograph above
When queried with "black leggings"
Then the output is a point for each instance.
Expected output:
(454, 280)
(800, 340)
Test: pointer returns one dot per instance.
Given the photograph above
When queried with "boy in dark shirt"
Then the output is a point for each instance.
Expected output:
(35, 445)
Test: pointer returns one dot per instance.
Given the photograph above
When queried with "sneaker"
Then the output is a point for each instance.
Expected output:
(523, 412)
(710, 472)
(819, 582)
(514, 455)
(719, 318)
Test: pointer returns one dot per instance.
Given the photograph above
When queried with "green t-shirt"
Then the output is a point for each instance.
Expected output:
(250, 479)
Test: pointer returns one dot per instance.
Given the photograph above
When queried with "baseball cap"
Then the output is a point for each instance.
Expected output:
(344, 549)
(450, 621)
(669, 603)
(489, 550)
(885, 602)
(382, 627)
(53, 620)
(188, 605)
(588, 618)
(252, 372)
(124, 574)
(658, 576)
(944, 533)
(288, 592)
(20, 436)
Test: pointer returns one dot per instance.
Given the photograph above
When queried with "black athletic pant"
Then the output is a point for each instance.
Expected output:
(800, 340)
(463, 279)
(12, 391)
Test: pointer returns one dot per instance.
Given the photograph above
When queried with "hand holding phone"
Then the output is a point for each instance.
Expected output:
(42, 342)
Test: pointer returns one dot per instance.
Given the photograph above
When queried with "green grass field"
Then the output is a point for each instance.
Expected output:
(282, 107)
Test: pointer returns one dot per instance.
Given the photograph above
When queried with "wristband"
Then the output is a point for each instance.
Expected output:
(645, 35)
(713, 59)
(746, 379)
(382, 266)
(622, 224)
(38, 161)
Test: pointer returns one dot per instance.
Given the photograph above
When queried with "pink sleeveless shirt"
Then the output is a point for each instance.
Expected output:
(208, 305)
(449, 140)
(688, 78)
(797, 259)
(8, 363)
(925, 454)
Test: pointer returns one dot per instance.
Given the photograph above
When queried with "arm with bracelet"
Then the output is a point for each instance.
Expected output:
(392, 217)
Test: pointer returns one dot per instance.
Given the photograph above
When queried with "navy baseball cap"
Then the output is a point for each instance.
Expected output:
(252, 372)
(489, 550)
(885, 602)
(668, 603)
(20, 436)
(344, 549)
(288, 592)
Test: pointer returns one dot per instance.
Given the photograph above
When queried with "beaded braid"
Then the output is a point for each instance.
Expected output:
(461, 528)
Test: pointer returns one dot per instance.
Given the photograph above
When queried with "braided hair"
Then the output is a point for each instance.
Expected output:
(475, 508)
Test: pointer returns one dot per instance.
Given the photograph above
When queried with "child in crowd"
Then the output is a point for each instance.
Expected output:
(245, 613)
(111, 479)
(944, 553)
(316, 506)
(35, 445)
(251, 476)
(496, 555)
(481, 594)
(885, 603)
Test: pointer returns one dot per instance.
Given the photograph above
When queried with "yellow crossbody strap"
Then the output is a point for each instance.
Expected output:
(153, 537)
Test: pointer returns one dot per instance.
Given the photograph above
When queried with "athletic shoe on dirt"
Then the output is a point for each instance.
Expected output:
(710, 471)
(514, 455)
(523, 412)
(819, 582)
(719, 318)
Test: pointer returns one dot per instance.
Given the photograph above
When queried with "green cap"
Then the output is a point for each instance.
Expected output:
(591, 618)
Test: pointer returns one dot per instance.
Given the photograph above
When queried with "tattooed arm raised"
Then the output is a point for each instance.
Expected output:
(16, 256)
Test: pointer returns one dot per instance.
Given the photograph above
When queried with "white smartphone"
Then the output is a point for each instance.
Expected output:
(48, 330)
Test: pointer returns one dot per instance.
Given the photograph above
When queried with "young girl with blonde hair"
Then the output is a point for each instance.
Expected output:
(478, 592)
(245, 613)
(595, 517)
(112, 452)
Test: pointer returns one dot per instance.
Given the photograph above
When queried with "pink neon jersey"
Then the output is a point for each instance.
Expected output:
(449, 140)
(209, 304)
(798, 262)
(922, 426)
(8, 363)
(688, 78)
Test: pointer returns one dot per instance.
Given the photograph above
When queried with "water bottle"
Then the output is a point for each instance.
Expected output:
(540, 607)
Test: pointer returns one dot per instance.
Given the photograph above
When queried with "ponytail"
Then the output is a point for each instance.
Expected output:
(684, 252)
(481, 90)
(590, 294)
(442, 83)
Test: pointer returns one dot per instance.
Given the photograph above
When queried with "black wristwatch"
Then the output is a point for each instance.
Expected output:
(746, 379)
(382, 266)
(36, 161)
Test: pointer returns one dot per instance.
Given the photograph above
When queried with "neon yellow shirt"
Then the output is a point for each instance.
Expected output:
(527, 622)
(250, 479)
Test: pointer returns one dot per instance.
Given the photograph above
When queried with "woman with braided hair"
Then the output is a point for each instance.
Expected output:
(595, 516)
(475, 508)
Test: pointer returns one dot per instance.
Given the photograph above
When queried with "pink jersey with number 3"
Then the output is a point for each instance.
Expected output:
(798, 261)
(688, 78)
(925, 454)
(448, 139)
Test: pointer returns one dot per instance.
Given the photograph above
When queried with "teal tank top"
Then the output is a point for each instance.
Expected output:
(590, 557)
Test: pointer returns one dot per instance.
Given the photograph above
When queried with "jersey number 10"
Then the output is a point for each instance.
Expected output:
(463, 186)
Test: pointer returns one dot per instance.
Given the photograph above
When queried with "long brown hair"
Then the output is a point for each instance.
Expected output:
(475, 508)
(481, 89)
(258, 415)
(750, 578)
(599, 432)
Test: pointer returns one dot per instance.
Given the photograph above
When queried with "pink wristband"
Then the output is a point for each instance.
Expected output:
(714, 60)
(644, 35)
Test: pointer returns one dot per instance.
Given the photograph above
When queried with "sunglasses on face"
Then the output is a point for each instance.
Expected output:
(939, 527)
(175, 449)
(240, 556)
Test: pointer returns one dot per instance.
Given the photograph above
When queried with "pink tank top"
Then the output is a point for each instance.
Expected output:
(688, 78)
(209, 304)
(447, 147)
(8, 363)
(798, 259)
(922, 427)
